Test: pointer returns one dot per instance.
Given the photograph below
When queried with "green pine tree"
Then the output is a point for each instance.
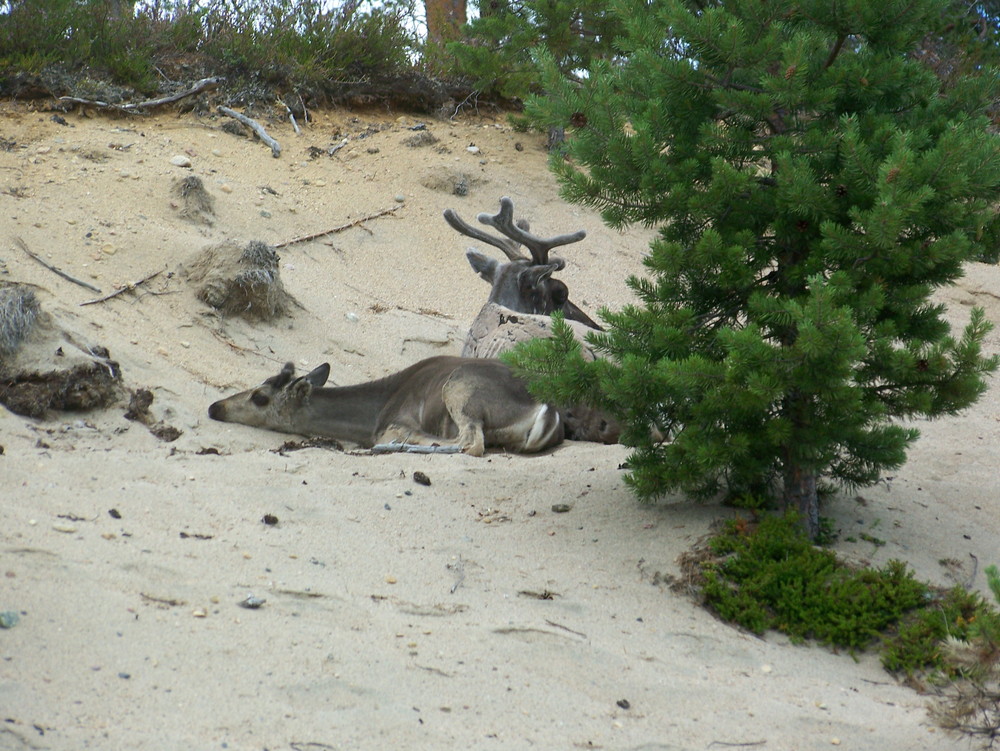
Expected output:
(813, 184)
(497, 52)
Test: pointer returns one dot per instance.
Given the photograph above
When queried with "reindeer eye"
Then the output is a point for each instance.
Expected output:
(260, 398)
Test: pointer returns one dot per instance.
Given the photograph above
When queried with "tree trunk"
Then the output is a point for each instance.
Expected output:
(800, 494)
(444, 19)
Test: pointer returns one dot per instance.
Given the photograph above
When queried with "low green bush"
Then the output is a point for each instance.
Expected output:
(771, 577)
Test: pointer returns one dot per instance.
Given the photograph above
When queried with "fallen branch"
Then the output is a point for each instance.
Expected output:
(256, 127)
(21, 244)
(341, 228)
(126, 288)
(291, 117)
(202, 85)
(413, 448)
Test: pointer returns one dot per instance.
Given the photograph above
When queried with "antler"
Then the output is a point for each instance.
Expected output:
(538, 247)
(510, 248)
(517, 234)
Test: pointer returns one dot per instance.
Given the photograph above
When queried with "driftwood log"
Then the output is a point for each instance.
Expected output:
(204, 84)
(256, 127)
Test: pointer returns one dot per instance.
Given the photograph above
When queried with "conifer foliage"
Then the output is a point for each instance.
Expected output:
(812, 185)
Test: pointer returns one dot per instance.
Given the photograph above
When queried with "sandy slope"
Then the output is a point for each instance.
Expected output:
(398, 615)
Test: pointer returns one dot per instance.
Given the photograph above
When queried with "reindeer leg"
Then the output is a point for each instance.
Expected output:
(456, 395)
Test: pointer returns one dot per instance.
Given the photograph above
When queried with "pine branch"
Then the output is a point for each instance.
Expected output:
(835, 51)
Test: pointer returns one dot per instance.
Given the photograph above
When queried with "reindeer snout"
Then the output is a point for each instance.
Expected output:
(217, 411)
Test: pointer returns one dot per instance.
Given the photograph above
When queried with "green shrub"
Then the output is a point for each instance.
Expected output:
(772, 577)
(303, 46)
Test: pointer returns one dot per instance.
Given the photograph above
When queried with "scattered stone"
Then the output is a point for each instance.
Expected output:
(420, 478)
(561, 508)
(9, 619)
(180, 161)
(269, 519)
(251, 602)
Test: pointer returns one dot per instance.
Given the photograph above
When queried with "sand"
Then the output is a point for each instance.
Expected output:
(463, 614)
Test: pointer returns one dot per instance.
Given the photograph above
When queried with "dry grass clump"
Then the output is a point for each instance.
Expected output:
(195, 203)
(242, 281)
(18, 313)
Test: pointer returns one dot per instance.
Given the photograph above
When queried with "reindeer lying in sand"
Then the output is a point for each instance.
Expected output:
(523, 295)
(448, 403)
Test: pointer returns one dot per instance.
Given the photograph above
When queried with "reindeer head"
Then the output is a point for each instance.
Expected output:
(524, 284)
(275, 403)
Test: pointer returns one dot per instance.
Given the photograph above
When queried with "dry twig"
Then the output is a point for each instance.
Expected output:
(21, 244)
(341, 228)
(126, 288)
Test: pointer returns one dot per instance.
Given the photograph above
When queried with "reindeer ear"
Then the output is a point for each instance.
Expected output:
(317, 377)
(283, 378)
(299, 390)
(535, 276)
(483, 265)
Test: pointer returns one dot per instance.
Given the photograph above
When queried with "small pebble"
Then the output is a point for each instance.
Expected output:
(473, 149)
(561, 508)
(251, 602)
(352, 317)
(421, 479)
(226, 188)
(9, 619)
(199, 613)
(64, 528)
(400, 198)
(180, 161)
(390, 580)
(43, 149)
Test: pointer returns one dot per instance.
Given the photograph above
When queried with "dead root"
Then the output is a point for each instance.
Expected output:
(85, 386)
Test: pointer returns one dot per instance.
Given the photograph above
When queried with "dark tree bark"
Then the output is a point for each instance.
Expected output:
(800, 494)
